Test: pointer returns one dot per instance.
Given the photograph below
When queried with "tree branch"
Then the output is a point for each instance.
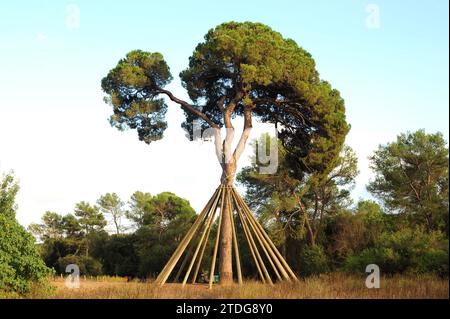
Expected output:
(230, 108)
(188, 107)
(245, 134)
(227, 144)
(218, 144)
(227, 156)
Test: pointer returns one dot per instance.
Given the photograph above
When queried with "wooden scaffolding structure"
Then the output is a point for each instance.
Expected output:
(198, 236)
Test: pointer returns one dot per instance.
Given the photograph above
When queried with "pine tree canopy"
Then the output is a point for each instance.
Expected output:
(240, 69)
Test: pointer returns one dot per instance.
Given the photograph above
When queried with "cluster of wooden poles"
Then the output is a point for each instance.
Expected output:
(198, 235)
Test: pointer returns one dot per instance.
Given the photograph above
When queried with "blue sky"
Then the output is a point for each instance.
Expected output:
(53, 128)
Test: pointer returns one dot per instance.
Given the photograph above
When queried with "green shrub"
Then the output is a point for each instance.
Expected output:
(313, 261)
(419, 251)
(118, 255)
(386, 258)
(87, 265)
(20, 263)
(434, 261)
(93, 266)
(63, 262)
(405, 251)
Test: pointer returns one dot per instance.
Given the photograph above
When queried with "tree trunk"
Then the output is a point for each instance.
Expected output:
(311, 234)
(226, 231)
(229, 162)
(117, 225)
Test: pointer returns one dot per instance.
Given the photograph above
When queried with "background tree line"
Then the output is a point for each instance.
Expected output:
(156, 225)
(309, 214)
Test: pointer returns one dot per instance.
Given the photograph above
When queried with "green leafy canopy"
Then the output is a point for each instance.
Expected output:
(132, 88)
(239, 69)
(411, 176)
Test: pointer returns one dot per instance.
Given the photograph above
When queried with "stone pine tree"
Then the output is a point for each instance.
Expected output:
(91, 220)
(240, 69)
(110, 204)
(411, 177)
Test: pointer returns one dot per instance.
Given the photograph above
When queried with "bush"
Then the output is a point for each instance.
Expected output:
(313, 261)
(87, 265)
(434, 261)
(118, 256)
(20, 263)
(405, 251)
(386, 258)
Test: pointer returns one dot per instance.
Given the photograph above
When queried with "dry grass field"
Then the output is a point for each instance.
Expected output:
(326, 286)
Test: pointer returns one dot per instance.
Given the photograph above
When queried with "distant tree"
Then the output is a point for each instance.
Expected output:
(90, 219)
(110, 204)
(369, 208)
(164, 208)
(411, 177)
(294, 205)
(326, 195)
(165, 221)
(271, 197)
(60, 236)
(139, 204)
(20, 263)
(374, 218)
(71, 226)
(241, 69)
(52, 227)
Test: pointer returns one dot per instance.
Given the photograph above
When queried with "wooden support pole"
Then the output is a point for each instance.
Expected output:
(165, 273)
(183, 263)
(235, 242)
(255, 248)
(271, 257)
(213, 263)
(273, 260)
(205, 231)
(230, 200)
(205, 242)
(265, 248)
(244, 227)
(258, 255)
(280, 257)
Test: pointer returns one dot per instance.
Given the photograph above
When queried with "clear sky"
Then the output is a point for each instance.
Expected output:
(389, 59)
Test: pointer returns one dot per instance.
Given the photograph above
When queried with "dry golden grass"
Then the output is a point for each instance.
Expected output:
(325, 286)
